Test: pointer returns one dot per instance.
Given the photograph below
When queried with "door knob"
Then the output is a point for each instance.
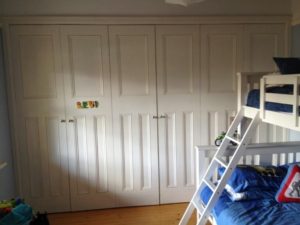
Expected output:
(160, 117)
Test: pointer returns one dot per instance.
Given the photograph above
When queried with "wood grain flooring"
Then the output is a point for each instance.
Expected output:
(147, 215)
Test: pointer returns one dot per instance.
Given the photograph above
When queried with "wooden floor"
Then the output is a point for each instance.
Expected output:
(147, 215)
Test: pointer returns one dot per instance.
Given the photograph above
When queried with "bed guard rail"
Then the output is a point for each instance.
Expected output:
(290, 99)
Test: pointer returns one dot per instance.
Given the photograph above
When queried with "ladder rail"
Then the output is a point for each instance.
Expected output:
(232, 128)
(228, 171)
(196, 202)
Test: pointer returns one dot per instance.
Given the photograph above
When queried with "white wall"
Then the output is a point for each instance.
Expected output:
(6, 175)
(296, 11)
(143, 7)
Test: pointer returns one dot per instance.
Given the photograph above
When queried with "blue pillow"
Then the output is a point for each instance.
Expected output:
(288, 65)
(246, 177)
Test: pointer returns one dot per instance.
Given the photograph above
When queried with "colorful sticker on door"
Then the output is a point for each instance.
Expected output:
(87, 104)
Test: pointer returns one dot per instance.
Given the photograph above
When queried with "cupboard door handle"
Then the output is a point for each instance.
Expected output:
(62, 121)
(155, 117)
(71, 121)
(163, 116)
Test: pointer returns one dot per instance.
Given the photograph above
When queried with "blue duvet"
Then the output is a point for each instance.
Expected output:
(254, 97)
(264, 211)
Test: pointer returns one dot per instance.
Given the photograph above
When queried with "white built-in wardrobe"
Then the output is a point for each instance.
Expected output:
(162, 89)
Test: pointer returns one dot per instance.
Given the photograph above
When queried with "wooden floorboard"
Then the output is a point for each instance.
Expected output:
(147, 215)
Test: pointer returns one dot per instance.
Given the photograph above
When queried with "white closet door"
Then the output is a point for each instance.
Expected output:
(87, 78)
(42, 158)
(132, 51)
(262, 43)
(178, 110)
(221, 59)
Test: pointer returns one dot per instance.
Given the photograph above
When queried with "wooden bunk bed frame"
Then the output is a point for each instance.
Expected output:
(255, 154)
(249, 81)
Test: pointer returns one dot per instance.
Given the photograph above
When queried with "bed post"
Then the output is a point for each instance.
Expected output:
(262, 98)
(295, 105)
(241, 89)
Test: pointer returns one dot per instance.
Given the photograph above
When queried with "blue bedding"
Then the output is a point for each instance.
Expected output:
(264, 211)
(254, 98)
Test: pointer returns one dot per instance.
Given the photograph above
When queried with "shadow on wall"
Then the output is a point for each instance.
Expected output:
(7, 187)
(295, 41)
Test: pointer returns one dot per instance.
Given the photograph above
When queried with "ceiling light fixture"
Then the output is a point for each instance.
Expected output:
(183, 2)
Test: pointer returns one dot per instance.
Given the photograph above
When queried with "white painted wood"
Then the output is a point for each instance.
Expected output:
(279, 98)
(262, 43)
(246, 82)
(41, 137)
(135, 104)
(217, 161)
(264, 152)
(90, 144)
(221, 58)
(280, 121)
(178, 97)
(132, 51)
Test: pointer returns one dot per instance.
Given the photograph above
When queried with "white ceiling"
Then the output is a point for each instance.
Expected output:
(143, 7)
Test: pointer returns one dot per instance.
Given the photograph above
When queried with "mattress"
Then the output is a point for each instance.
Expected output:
(264, 211)
(253, 99)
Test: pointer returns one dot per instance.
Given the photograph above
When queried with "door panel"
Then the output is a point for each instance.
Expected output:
(178, 109)
(132, 51)
(87, 78)
(262, 43)
(222, 52)
(41, 136)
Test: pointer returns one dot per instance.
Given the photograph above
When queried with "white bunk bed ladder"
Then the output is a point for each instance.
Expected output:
(217, 161)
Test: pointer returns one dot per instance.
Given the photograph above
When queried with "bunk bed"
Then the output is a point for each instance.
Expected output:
(264, 97)
(260, 207)
(277, 98)
(274, 89)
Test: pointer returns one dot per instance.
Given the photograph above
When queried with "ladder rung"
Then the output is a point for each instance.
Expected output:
(250, 112)
(210, 184)
(221, 162)
(233, 139)
(196, 203)
(200, 208)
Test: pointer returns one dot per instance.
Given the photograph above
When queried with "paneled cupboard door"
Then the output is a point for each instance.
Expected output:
(178, 85)
(261, 44)
(89, 131)
(42, 158)
(221, 59)
(132, 51)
